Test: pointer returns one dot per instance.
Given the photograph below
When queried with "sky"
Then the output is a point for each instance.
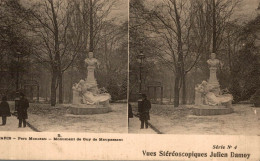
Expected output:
(247, 10)
(120, 9)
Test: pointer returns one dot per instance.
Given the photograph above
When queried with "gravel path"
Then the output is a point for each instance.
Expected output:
(135, 125)
(12, 125)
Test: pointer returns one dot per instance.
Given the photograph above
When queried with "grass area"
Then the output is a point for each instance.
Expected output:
(170, 120)
(47, 118)
(47, 110)
(168, 111)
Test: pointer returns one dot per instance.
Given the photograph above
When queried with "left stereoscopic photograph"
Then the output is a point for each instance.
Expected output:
(64, 65)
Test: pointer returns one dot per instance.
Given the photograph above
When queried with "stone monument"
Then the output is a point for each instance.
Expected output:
(209, 99)
(87, 97)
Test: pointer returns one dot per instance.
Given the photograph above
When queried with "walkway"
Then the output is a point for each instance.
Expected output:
(134, 127)
(12, 125)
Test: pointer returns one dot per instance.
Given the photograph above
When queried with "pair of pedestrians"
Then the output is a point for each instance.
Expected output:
(22, 115)
(143, 111)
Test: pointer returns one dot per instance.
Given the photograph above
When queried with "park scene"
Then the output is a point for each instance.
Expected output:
(194, 67)
(69, 59)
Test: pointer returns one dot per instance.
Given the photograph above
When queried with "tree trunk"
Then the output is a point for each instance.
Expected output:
(53, 88)
(57, 62)
(176, 92)
(91, 43)
(71, 85)
(171, 94)
(214, 27)
(184, 101)
(60, 88)
(46, 89)
(180, 63)
(229, 55)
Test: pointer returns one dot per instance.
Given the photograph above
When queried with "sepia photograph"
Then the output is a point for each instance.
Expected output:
(100, 79)
(194, 67)
(63, 65)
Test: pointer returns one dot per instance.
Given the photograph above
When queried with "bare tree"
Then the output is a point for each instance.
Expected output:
(49, 26)
(173, 26)
(187, 30)
(90, 17)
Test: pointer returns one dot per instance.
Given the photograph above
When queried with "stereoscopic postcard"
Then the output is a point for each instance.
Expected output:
(130, 79)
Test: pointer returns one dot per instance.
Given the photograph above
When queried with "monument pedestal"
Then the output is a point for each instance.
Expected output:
(207, 110)
(87, 99)
(214, 102)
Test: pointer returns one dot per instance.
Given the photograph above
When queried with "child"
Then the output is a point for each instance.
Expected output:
(4, 110)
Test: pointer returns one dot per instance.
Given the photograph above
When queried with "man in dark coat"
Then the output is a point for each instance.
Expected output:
(4, 110)
(143, 110)
(22, 110)
(130, 112)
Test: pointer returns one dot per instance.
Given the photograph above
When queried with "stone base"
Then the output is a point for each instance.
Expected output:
(206, 110)
(84, 109)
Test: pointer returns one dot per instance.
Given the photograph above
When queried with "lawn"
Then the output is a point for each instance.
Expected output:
(244, 121)
(57, 119)
(167, 111)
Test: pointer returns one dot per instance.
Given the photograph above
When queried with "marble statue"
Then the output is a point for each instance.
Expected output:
(214, 64)
(86, 91)
(92, 64)
(208, 92)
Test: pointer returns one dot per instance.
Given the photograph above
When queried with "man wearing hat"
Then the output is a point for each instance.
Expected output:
(22, 110)
(144, 109)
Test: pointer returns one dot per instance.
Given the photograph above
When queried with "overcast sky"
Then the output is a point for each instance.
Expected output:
(247, 10)
(120, 10)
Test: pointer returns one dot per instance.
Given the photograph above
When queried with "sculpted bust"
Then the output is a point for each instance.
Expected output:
(91, 61)
(213, 62)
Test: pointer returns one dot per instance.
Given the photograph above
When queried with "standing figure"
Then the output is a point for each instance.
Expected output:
(130, 112)
(4, 110)
(22, 110)
(144, 109)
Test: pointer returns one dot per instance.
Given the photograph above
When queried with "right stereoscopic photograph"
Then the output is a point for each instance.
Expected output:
(194, 67)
